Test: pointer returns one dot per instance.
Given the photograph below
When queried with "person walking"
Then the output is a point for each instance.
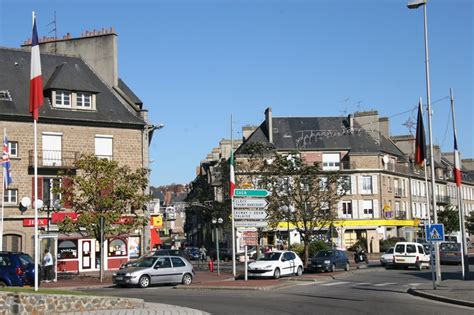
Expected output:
(48, 265)
(203, 253)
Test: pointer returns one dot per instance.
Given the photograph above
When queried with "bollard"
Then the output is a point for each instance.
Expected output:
(211, 265)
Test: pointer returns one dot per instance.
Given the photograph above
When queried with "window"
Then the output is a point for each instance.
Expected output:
(347, 209)
(84, 100)
(368, 208)
(63, 99)
(67, 249)
(411, 248)
(331, 161)
(323, 183)
(13, 148)
(177, 262)
(103, 146)
(5, 95)
(11, 196)
(117, 247)
(163, 262)
(12, 242)
(366, 184)
(50, 190)
(420, 249)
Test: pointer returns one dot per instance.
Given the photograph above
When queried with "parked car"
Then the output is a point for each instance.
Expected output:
(225, 254)
(387, 258)
(192, 252)
(450, 253)
(155, 269)
(329, 260)
(17, 269)
(408, 254)
(159, 252)
(276, 264)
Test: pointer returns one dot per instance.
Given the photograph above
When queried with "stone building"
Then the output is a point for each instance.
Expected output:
(87, 109)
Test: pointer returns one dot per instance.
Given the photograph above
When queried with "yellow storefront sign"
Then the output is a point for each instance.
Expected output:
(157, 221)
(361, 223)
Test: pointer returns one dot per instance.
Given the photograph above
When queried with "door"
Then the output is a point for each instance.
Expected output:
(86, 255)
(288, 262)
(51, 155)
(179, 268)
(162, 271)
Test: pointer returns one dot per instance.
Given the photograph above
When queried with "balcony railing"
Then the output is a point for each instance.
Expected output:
(54, 159)
(401, 215)
(399, 192)
(443, 199)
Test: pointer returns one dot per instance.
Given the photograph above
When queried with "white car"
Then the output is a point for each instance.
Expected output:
(387, 258)
(276, 264)
(410, 254)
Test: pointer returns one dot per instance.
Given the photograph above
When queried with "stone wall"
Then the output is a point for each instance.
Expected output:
(39, 304)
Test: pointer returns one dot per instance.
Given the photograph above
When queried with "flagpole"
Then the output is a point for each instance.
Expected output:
(35, 204)
(232, 203)
(429, 227)
(3, 196)
(462, 227)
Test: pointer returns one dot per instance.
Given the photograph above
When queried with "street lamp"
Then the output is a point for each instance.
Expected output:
(216, 223)
(48, 208)
(415, 5)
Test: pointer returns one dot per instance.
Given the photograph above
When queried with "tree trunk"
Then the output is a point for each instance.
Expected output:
(306, 251)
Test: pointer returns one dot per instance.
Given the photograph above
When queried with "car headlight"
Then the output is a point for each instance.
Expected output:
(268, 267)
(128, 274)
(327, 261)
(114, 274)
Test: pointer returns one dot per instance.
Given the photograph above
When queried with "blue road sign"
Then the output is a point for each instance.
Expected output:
(435, 232)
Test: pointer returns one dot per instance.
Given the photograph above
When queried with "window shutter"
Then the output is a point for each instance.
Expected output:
(359, 180)
(353, 184)
(375, 204)
(355, 209)
(40, 190)
(361, 209)
(339, 209)
(375, 185)
(67, 183)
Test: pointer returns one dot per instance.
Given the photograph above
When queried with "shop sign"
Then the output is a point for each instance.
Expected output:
(31, 222)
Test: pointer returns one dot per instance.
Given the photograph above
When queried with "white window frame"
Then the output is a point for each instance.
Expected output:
(61, 95)
(331, 161)
(13, 149)
(104, 137)
(82, 98)
(368, 208)
(346, 209)
(365, 190)
(11, 196)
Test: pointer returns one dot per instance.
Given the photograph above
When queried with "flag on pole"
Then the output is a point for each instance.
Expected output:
(457, 163)
(232, 176)
(420, 142)
(7, 176)
(36, 80)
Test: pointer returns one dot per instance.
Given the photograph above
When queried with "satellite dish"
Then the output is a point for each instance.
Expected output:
(385, 159)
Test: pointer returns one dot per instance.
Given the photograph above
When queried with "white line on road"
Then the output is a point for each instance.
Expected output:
(414, 284)
(362, 283)
(334, 283)
(384, 284)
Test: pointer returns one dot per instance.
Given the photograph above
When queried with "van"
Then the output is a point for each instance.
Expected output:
(407, 254)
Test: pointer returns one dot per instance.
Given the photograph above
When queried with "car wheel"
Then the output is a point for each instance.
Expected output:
(187, 279)
(299, 271)
(333, 268)
(2, 284)
(144, 282)
(348, 267)
(276, 273)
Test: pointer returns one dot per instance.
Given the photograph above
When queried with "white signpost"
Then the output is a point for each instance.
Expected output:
(250, 214)
(251, 223)
(247, 203)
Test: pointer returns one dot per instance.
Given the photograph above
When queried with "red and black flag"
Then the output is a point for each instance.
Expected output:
(420, 143)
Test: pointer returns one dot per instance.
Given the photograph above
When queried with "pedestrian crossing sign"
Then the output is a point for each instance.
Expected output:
(435, 232)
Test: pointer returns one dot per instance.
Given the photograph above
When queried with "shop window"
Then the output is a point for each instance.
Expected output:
(117, 247)
(12, 242)
(67, 249)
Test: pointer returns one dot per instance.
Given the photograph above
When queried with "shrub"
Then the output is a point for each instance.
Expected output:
(314, 247)
(362, 242)
(386, 244)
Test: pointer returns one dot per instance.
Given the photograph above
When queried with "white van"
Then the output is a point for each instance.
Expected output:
(407, 254)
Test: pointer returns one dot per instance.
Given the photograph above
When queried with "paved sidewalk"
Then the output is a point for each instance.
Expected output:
(149, 309)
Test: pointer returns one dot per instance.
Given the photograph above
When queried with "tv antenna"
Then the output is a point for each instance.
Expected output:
(54, 47)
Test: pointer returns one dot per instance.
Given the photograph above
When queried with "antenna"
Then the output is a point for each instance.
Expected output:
(344, 108)
(54, 48)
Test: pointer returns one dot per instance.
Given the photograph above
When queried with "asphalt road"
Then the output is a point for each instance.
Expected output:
(370, 291)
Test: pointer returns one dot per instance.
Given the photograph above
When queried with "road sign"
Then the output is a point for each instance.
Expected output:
(249, 241)
(250, 214)
(251, 223)
(435, 232)
(249, 234)
(247, 203)
(251, 193)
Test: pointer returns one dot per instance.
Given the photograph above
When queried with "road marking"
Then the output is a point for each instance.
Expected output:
(414, 284)
(334, 283)
(384, 284)
(362, 283)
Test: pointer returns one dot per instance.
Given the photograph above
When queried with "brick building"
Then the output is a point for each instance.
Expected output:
(87, 109)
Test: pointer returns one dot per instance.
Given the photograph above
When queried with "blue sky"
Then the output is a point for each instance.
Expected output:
(194, 63)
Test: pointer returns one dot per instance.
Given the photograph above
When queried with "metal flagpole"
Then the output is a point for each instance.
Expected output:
(3, 197)
(429, 226)
(35, 205)
(232, 202)
(462, 226)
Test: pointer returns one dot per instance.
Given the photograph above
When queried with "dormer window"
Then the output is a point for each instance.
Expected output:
(63, 99)
(84, 100)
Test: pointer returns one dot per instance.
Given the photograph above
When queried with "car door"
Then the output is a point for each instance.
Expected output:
(179, 268)
(423, 256)
(7, 270)
(162, 270)
(288, 263)
(340, 260)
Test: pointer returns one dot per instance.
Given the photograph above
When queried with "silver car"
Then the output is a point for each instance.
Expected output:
(155, 269)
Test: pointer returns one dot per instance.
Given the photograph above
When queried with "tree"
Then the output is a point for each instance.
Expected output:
(470, 223)
(302, 195)
(103, 190)
(449, 217)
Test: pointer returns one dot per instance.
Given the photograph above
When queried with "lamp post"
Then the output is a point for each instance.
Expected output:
(48, 208)
(415, 5)
(216, 223)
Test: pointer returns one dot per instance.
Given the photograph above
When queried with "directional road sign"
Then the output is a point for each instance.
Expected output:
(250, 214)
(251, 223)
(247, 203)
(251, 193)
(435, 232)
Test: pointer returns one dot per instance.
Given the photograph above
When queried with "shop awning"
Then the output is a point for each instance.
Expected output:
(155, 238)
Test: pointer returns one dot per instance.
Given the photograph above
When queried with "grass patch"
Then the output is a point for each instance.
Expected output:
(43, 291)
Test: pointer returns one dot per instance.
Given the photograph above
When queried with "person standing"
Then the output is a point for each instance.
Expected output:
(48, 265)
(203, 252)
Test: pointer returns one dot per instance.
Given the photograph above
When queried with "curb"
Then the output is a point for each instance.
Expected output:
(219, 287)
(440, 298)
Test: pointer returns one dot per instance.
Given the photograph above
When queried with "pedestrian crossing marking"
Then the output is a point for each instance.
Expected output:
(384, 284)
(334, 283)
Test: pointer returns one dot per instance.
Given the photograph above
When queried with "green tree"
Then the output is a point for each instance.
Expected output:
(449, 217)
(104, 189)
(470, 223)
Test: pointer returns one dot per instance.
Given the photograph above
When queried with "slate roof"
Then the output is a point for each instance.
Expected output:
(321, 134)
(60, 72)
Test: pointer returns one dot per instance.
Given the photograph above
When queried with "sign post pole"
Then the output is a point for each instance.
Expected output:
(246, 258)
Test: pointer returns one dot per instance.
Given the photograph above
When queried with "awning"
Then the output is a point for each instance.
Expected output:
(155, 238)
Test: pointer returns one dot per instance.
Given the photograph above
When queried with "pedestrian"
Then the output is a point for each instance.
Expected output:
(203, 252)
(48, 265)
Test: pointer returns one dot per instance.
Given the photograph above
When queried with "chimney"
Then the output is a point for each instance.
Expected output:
(468, 164)
(351, 122)
(269, 123)
(247, 131)
(369, 121)
(384, 127)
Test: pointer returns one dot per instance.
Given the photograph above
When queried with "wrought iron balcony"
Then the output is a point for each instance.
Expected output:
(399, 192)
(54, 159)
(401, 215)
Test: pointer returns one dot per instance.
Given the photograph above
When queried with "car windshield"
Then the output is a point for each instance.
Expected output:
(270, 256)
(143, 262)
(324, 253)
(450, 247)
(390, 251)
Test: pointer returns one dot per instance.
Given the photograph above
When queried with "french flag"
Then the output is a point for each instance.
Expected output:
(457, 163)
(36, 80)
